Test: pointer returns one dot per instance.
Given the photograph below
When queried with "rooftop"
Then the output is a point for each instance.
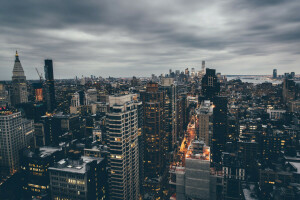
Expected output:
(74, 166)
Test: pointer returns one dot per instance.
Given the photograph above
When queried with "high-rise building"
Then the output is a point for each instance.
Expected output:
(169, 88)
(205, 122)
(78, 177)
(154, 133)
(203, 66)
(288, 90)
(274, 73)
(15, 134)
(49, 82)
(4, 97)
(210, 84)
(220, 128)
(123, 144)
(19, 86)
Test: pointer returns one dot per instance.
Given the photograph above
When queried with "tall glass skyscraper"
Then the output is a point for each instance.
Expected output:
(50, 91)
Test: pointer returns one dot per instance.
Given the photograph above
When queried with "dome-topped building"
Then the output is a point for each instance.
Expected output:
(19, 85)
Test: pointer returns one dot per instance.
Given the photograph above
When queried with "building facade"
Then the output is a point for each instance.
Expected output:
(122, 121)
(15, 134)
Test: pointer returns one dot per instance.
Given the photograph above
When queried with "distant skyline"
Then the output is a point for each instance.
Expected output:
(139, 38)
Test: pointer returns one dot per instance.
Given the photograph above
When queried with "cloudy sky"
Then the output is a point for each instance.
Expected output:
(122, 38)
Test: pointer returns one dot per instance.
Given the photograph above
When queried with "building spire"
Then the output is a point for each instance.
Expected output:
(17, 57)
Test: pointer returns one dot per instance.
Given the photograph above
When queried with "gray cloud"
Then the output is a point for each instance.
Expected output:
(125, 38)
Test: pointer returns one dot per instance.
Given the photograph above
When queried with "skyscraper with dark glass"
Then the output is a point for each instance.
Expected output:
(154, 132)
(274, 73)
(211, 91)
(210, 84)
(50, 91)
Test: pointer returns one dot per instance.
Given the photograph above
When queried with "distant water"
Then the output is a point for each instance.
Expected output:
(254, 80)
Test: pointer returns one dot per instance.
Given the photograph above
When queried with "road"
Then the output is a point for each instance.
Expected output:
(188, 138)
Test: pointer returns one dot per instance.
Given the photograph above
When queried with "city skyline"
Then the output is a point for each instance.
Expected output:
(123, 39)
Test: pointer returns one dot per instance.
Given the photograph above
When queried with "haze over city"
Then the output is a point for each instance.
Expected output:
(125, 38)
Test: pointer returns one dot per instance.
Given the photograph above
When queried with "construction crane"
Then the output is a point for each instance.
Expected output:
(40, 75)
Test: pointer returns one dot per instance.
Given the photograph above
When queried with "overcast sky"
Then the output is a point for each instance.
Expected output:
(122, 38)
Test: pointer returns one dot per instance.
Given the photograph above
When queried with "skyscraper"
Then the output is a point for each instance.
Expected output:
(205, 120)
(169, 88)
(19, 85)
(274, 73)
(50, 91)
(154, 131)
(210, 84)
(4, 97)
(14, 135)
(288, 90)
(219, 128)
(124, 147)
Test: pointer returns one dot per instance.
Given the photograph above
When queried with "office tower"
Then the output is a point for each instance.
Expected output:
(288, 90)
(19, 86)
(124, 147)
(181, 112)
(203, 66)
(34, 171)
(210, 84)
(141, 141)
(78, 177)
(4, 97)
(193, 181)
(154, 133)
(219, 129)
(274, 73)
(205, 121)
(49, 83)
(169, 88)
(15, 134)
